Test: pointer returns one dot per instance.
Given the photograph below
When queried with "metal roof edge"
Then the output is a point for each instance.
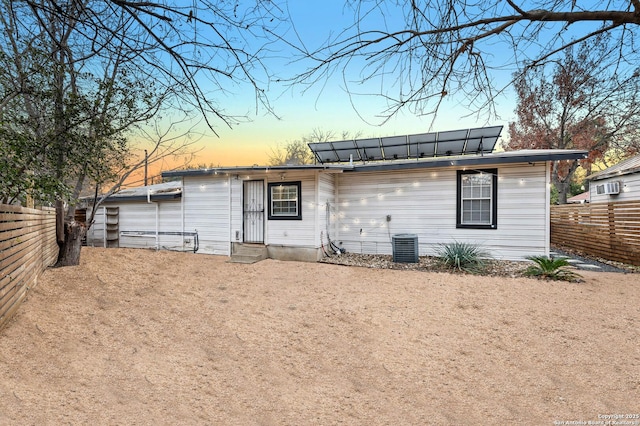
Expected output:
(245, 169)
(154, 197)
(601, 175)
(176, 195)
(507, 157)
(628, 166)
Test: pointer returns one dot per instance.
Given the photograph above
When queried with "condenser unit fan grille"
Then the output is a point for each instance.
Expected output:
(405, 248)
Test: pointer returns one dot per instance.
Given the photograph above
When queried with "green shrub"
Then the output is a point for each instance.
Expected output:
(462, 257)
(551, 268)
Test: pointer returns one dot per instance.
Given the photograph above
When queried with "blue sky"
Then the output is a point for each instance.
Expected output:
(328, 106)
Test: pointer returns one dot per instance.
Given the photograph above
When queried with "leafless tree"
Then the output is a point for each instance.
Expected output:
(86, 76)
(297, 152)
(420, 53)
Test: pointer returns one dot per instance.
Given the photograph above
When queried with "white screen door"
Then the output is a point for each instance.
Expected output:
(253, 211)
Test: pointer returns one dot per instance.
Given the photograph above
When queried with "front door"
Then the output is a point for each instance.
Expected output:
(253, 211)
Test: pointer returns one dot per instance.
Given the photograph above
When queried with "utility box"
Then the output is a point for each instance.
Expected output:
(405, 248)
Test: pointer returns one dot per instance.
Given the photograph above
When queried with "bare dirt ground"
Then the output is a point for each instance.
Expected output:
(140, 337)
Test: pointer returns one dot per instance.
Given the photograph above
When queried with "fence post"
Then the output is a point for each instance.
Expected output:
(612, 225)
(59, 222)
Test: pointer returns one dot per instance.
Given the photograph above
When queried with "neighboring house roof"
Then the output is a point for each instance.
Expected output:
(521, 156)
(157, 192)
(625, 167)
(585, 197)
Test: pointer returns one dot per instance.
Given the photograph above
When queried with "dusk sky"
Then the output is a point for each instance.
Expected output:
(325, 106)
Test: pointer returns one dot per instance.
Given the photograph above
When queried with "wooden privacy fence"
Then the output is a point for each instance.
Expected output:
(27, 246)
(606, 230)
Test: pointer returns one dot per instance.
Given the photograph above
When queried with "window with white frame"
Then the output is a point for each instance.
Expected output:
(284, 201)
(477, 202)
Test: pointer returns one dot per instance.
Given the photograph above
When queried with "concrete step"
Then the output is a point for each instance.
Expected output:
(248, 253)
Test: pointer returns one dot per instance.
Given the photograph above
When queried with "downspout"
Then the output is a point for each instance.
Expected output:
(317, 213)
(547, 201)
(157, 225)
(229, 183)
(182, 212)
(104, 226)
(157, 216)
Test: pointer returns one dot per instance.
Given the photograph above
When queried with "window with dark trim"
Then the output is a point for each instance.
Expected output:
(477, 199)
(284, 201)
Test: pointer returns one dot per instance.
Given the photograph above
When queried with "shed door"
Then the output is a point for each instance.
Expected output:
(253, 211)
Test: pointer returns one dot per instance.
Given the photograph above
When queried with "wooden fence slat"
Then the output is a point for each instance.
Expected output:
(606, 230)
(27, 247)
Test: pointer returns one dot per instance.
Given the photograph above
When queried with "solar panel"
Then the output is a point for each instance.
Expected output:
(451, 143)
(454, 142)
(395, 147)
(324, 153)
(483, 139)
(369, 149)
(346, 150)
(422, 145)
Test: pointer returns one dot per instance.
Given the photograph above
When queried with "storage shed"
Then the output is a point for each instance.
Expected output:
(142, 217)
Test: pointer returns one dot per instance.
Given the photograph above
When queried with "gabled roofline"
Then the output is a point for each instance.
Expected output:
(625, 167)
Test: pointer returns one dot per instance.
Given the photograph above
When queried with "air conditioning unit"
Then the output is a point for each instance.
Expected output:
(405, 248)
(609, 188)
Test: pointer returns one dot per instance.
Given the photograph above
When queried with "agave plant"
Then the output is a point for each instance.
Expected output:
(462, 256)
(551, 268)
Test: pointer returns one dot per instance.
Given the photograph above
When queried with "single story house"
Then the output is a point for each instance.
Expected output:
(581, 198)
(620, 182)
(435, 188)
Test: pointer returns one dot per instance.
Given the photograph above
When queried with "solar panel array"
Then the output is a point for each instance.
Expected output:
(481, 140)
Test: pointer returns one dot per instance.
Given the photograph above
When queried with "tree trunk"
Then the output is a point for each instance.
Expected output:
(69, 254)
(563, 189)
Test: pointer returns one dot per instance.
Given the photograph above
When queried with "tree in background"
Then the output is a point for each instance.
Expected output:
(83, 81)
(417, 54)
(297, 152)
(577, 103)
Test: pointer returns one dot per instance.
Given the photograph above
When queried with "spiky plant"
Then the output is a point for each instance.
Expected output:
(551, 268)
(462, 257)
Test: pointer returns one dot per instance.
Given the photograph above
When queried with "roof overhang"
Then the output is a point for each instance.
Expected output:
(507, 157)
(613, 174)
(151, 197)
(225, 171)
(167, 191)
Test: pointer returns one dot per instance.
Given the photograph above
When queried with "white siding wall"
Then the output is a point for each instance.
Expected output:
(423, 202)
(326, 207)
(629, 189)
(140, 216)
(237, 225)
(206, 209)
(298, 233)
(95, 234)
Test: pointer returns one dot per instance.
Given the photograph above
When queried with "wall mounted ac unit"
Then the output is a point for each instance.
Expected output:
(609, 188)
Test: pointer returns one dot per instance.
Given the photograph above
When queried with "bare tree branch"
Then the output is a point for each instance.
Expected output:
(448, 47)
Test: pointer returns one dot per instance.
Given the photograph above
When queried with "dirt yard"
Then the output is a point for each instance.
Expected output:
(139, 337)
